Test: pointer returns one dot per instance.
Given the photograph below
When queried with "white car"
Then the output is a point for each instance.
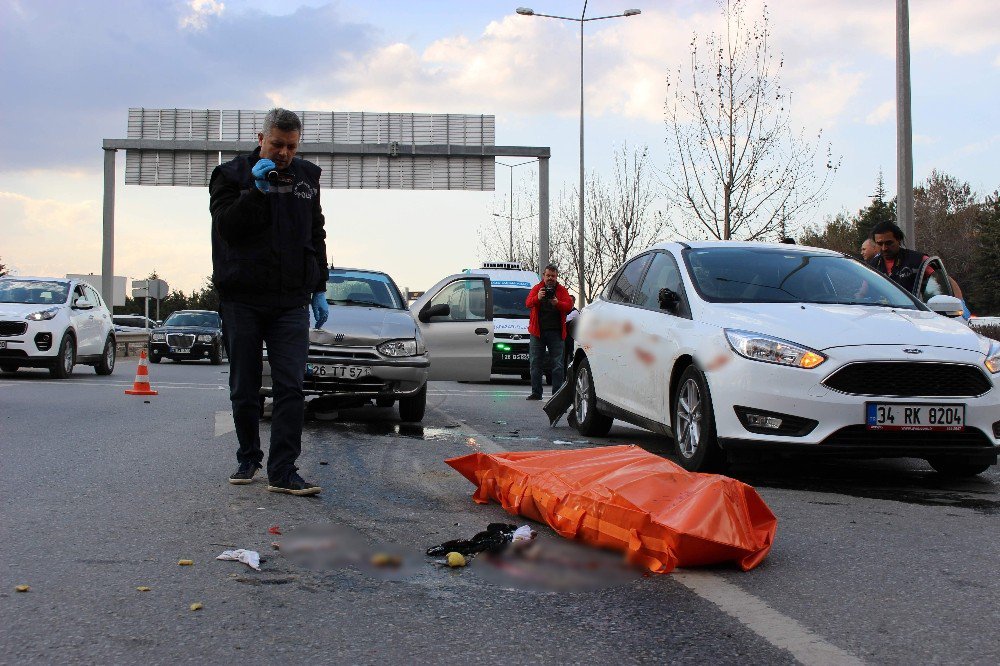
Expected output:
(54, 323)
(754, 348)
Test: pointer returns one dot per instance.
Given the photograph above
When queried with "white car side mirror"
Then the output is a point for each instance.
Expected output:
(949, 306)
(83, 304)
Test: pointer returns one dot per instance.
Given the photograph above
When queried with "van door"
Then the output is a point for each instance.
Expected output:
(455, 318)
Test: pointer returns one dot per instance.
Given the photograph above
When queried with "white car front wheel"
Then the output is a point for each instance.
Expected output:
(63, 365)
(695, 444)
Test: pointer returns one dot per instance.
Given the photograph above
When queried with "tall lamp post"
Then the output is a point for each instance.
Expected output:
(512, 221)
(526, 11)
(511, 167)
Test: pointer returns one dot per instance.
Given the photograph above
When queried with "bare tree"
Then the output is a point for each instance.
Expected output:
(621, 220)
(3, 270)
(738, 170)
(498, 234)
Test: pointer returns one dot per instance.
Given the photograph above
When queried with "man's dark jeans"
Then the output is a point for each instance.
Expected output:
(286, 332)
(552, 341)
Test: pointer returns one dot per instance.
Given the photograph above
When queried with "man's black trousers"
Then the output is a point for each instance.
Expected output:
(286, 332)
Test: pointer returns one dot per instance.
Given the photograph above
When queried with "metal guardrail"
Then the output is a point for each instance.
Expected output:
(130, 344)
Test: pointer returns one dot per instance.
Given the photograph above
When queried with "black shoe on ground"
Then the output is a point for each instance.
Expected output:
(244, 474)
(293, 485)
(534, 397)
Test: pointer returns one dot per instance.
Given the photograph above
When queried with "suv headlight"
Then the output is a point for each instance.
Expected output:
(398, 348)
(159, 337)
(204, 338)
(993, 358)
(43, 315)
(764, 348)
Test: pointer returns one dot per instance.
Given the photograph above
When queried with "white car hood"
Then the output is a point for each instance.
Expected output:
(827, 326)
(18, 311)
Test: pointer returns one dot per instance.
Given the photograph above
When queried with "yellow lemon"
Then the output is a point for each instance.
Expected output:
(456, 559)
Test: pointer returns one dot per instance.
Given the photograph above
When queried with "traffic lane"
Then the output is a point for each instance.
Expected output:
(870, 554)
(109, 508)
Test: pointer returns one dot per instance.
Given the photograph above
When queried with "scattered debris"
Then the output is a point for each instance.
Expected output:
(251, 558)
(22, 588)
(275, 545)
(386, 560)
(274, 529)
(494, 538)
(456, 560)
(197, 606)
(185, 563)
(323, 462)
(562, 442)
(143, 588)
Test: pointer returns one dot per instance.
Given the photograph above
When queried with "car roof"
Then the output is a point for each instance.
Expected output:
(40, 279)
(359, 270)
(787, 247)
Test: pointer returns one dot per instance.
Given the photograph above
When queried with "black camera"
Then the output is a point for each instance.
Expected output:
(550, 292)
(275, 177)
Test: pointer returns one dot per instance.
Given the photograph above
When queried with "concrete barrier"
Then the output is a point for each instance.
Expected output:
(130, 344)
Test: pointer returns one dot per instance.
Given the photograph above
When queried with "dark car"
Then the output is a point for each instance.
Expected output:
(188, 335)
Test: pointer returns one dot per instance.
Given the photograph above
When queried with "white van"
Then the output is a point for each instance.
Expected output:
(510, 283)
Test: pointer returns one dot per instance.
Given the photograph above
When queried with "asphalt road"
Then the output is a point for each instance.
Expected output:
(101, 493)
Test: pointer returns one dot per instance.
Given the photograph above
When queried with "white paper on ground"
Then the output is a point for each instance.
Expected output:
(251, 558)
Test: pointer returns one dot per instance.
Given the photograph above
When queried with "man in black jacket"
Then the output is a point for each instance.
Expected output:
(269, 265)
(894, 260)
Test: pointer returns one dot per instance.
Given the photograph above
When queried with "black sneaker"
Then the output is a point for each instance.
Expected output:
(293, 485)
(244, 474)
(533, 397)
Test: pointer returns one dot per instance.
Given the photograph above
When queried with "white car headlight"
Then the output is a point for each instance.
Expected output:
(993, 358)
(764, 348)
(398, 348)
(204, 338)
(43, 315)
(159, 337)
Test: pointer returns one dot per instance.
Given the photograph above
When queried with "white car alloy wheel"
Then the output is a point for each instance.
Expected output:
(589, 421)
(582, 396)
(689, 416)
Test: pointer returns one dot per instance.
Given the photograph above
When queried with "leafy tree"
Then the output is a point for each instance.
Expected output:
(985, 288)
(946, 216)
(845, 233)
(737, 168)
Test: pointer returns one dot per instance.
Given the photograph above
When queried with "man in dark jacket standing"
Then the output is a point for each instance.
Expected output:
(269, 265)
(900, 264)
(549, 303)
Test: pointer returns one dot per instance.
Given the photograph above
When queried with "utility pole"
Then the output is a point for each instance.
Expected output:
(904, 126)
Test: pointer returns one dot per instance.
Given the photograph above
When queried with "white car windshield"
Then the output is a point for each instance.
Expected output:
(769, 275)
(33, 292)
(362, 288)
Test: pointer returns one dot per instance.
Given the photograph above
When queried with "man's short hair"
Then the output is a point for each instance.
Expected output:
(283, 119)
(553, 268)
(885, 228)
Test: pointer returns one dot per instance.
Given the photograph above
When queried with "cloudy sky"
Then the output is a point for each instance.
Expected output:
(70, 71)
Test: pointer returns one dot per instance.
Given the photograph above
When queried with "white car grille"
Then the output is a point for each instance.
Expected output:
(8, 328)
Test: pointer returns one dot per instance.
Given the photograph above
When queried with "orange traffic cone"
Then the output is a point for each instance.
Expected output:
(141, 384)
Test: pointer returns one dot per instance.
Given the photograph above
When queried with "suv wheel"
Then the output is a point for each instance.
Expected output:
(154, 357)
(107, 363)
(63, 365)
(411, 408)
(695, 443)
(589, 421)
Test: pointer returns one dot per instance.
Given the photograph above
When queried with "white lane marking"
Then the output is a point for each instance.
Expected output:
(224, 423)
(777, 629)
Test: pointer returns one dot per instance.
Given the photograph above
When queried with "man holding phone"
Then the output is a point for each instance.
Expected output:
(549, 303)
(269, 266)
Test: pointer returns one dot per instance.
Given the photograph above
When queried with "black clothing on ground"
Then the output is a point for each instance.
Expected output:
(268, 249)
(904, 271)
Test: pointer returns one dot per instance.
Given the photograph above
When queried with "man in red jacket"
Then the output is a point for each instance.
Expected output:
(549, 303)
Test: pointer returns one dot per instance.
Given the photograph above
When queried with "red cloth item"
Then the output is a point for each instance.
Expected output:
(625, 498)
(532, 302)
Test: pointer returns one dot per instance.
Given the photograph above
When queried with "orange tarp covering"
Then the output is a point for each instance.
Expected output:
(624, 498)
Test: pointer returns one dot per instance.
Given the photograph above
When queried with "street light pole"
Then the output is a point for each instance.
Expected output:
(511, 211)
(904, 126)
(527, 11)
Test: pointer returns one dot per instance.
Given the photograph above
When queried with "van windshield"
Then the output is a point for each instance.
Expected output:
(508, 302)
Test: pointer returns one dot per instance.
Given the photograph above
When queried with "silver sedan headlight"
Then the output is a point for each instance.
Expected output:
(398, 348)
(758, 347)
(43, 315)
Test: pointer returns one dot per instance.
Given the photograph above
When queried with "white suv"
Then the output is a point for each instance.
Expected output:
(54, 323)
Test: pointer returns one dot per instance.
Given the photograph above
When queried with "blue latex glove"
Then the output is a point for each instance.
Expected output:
(260, 173)
(320, 308)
